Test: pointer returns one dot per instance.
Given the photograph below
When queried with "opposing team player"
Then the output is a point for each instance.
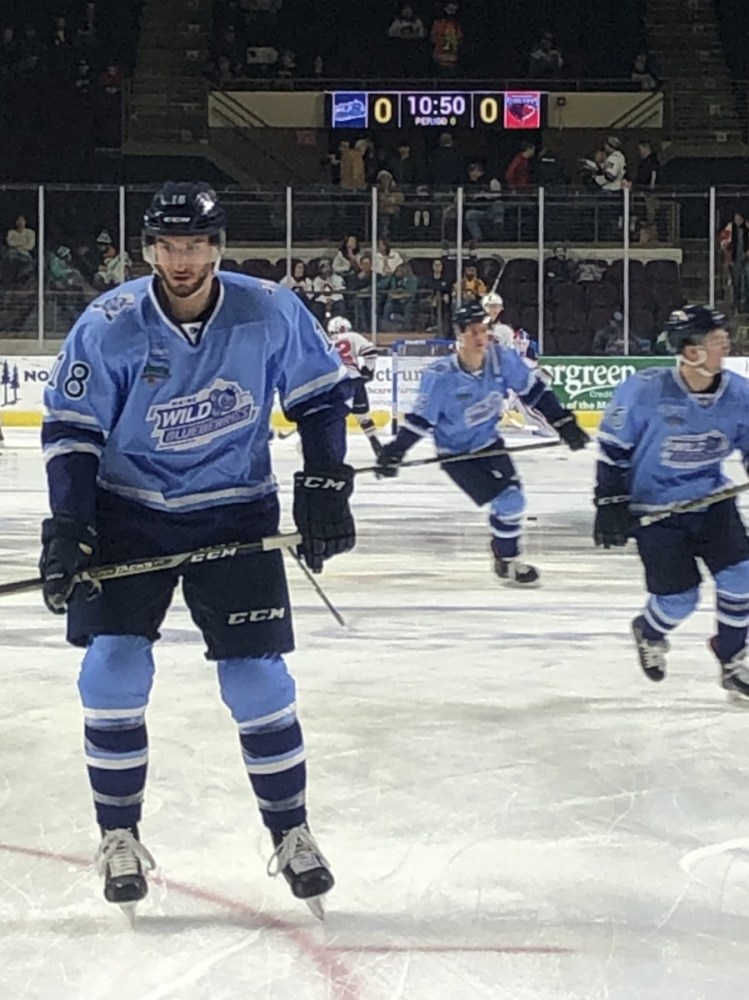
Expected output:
(663, 440)
(359, 357)
(459, 401)
(501, 333)
(156, 442)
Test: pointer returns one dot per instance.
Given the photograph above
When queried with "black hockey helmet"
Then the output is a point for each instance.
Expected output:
(185, 208)
(691, 324)
(469, 312)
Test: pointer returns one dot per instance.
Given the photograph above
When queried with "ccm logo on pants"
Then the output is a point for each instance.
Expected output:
(259, 615)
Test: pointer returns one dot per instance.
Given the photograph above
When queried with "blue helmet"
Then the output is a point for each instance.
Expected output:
(185, 208)
(469, 312)
(691, 324)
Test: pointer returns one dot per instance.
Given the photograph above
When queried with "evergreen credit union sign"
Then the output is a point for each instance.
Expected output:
(587, 384)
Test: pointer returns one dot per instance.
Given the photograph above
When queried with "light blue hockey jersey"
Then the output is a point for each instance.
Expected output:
(661, 443)
(461, 408)
(178, 417)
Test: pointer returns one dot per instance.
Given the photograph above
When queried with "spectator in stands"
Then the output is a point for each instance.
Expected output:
(446, 37)
(646, 204)
(362, 287)
(550, 171)
(87, 35)
(479, 188)
(560, 269)
(328, 291)
(407, 26)
(286, 68)
(346, 260)
(610, 171)
(110, 80)
(61, 275)
(298, 281)
(60, 38)
(472, 288)
(545, 61)
(223, 76)
(643, 73)
(518, 174)
(351, 160)
(610, 338)
(403, 166)
(389, 201)
(9, 54)
(386, 259)
(21, 242)
(646, 175)
(400, 290)
(113, 268)
(318, 67)
(230, 46)
(447, 163)
(83, 81)
(439, 296)
(30, 49)
(734, 243)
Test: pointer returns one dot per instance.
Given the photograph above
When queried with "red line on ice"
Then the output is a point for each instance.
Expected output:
(340, 977)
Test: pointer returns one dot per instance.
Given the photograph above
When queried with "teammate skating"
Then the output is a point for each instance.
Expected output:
(459, 402)
(663, 440)
(156, 441)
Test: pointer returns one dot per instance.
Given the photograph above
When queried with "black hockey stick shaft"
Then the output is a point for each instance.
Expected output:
(465, 457)
(317, 588)
(688, 506)
(157, 563)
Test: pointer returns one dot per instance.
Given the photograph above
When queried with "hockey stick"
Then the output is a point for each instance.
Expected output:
(685, 506)
(465, 457)
(157, 563)
(317, 588)
(283, 435)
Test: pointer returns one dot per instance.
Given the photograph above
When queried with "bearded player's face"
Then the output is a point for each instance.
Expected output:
(184, 263)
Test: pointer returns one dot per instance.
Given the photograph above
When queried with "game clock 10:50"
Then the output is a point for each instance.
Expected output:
(430, 109)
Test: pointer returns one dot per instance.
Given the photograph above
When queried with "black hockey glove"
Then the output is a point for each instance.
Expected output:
(570, 431)
(322, 513)
(388, 460)
(614, 524)
(69, 547)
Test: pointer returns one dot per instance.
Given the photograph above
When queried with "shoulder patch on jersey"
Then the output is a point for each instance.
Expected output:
(439, 367)
(618, 417)
(113, 305)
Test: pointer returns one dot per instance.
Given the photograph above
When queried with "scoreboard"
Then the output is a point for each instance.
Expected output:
(367, 109)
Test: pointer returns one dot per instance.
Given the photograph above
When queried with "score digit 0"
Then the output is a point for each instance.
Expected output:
(489, 110)
(383, 110)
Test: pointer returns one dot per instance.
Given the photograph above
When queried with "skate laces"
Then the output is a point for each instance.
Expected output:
(123, 854)
(299, 850)
(653, 651)
(737, 667)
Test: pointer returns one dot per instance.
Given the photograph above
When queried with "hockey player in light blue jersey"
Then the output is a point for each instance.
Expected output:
(663, 440)
(459, 402)
(156, 441)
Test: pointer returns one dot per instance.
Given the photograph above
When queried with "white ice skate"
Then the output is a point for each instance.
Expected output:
(123, 861)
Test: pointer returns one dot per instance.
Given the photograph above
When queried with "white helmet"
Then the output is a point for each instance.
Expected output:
(338, 325)
(492, 299)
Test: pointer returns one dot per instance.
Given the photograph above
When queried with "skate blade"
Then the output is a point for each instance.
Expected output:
(317, 906)
(520, 586)
(737, 699)
(129, 912)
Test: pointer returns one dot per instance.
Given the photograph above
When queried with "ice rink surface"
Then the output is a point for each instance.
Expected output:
(512, 811)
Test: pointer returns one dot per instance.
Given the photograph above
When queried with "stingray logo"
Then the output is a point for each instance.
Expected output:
(113, 305)
(194, 421)
(486, 409)
(687, 451)
(522, 110)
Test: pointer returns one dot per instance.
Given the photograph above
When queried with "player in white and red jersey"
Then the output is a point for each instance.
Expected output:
(501, 333)
(359, 357)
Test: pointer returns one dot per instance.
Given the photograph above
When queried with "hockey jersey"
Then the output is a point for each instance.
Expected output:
(177, 418)
(661, 444)
(461, 408)
(359, 355)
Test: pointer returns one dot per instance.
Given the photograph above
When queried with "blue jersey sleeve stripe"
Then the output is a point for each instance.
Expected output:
(315, 387)
(605, 437)
(51, 451)
(71, 417)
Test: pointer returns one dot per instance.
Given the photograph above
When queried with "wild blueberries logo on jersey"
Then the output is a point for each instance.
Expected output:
(192, 421)
(485, 409)
(113, 305)
(686, 451)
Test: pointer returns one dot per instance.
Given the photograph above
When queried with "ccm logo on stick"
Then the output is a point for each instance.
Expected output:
(321, 483)
(259, 615)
